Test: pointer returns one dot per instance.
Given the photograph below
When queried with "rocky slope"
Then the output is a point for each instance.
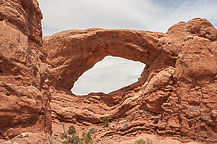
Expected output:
(175, 97)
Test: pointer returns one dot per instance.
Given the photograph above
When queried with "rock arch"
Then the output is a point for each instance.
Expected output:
(74, 52)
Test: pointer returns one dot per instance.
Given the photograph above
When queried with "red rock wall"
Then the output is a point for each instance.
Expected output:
(23, 91)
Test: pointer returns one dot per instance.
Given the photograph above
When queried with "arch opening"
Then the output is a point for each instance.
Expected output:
(108, 75)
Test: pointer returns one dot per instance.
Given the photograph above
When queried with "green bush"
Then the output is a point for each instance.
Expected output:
(92, 131)
(140, 141)
(71, 138)
(72, 130)
(105, 121)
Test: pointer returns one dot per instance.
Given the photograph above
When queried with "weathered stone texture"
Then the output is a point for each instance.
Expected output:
(176, 94)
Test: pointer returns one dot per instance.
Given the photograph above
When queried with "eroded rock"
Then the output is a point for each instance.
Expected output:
(24, 103)
(176, 94)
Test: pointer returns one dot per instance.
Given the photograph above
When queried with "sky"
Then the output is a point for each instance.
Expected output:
(112, 73)
(151, 15)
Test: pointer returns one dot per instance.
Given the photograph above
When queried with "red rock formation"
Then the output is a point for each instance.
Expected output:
(175, 96)
(23, 91)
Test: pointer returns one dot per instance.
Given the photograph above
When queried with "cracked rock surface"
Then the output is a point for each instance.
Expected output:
(174, 100)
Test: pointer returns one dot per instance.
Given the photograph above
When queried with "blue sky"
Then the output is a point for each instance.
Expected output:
(152, 15)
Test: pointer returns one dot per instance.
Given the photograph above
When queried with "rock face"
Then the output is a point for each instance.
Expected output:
(176, 95)
(24, 94)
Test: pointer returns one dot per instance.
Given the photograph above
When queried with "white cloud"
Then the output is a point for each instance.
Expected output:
(153, 15)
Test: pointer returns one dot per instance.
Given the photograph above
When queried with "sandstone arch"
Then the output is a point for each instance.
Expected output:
(74, 52)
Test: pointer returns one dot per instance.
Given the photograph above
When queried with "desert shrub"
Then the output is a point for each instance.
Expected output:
(71, 130)
(140, 141)
(105, 121)
(87, 137)
(92, 131)
(71, 138)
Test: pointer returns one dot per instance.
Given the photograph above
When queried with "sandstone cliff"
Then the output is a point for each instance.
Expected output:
(24, 93)
(176, 95)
